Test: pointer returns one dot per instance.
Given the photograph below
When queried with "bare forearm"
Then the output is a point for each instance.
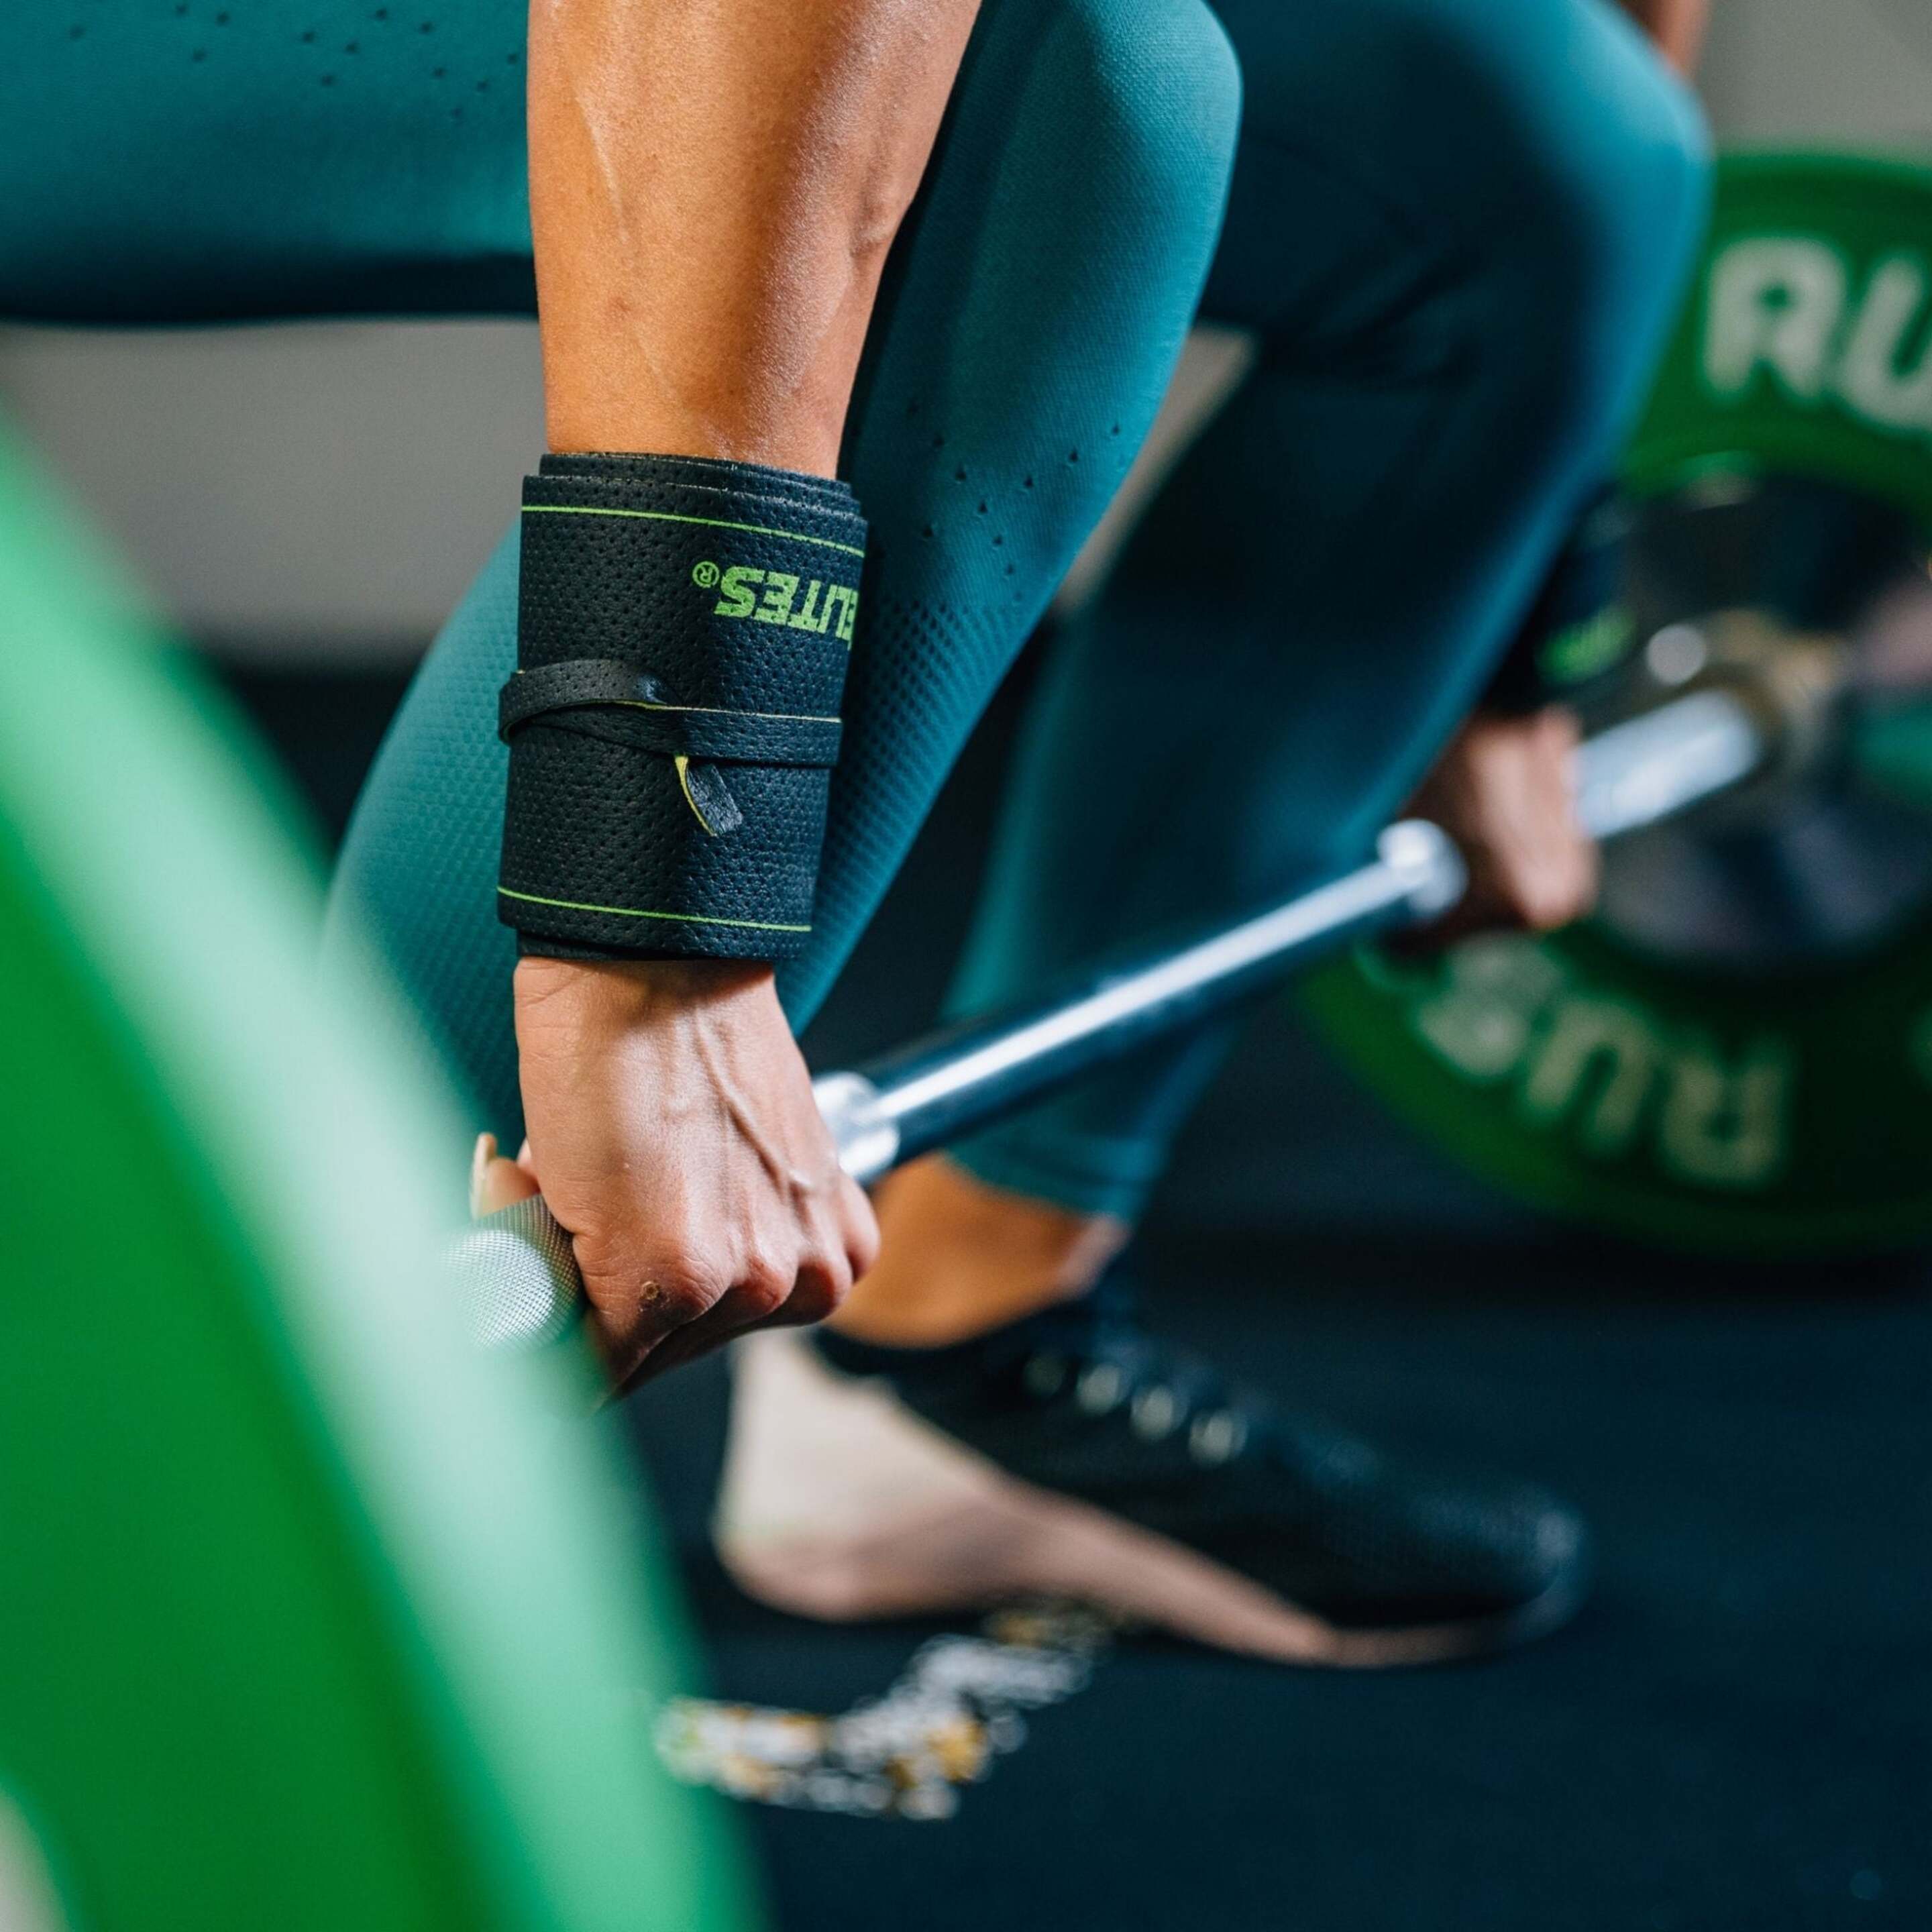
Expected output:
(1677, 26)
(713, 190)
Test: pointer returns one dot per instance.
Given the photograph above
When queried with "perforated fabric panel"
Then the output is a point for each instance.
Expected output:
(193, 160)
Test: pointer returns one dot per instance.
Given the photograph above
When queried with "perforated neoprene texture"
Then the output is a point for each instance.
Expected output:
(730, 591)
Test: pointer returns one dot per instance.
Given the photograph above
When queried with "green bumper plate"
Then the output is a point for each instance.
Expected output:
(1770, 1114)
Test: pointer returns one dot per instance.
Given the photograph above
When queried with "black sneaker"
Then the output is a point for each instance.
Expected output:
(1071, 1455)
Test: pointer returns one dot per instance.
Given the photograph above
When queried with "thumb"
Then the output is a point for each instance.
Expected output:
(494, 1181)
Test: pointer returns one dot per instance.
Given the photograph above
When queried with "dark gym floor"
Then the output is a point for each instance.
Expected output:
(1737, 1733)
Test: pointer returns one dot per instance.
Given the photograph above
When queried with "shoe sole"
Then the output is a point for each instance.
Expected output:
(840, 1505)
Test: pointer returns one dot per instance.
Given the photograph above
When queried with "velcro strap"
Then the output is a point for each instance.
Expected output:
(605, 698)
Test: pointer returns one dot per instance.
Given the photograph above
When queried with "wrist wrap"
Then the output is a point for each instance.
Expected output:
(682, 631)
(1579, 628)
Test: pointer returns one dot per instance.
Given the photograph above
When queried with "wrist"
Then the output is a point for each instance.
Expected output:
(642, 983)
(683, 632)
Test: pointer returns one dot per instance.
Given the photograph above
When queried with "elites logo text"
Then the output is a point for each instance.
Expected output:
(776, 597)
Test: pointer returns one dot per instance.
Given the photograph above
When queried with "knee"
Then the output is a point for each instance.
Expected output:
(1151, 90)
(1616, 192)
(1632, 190)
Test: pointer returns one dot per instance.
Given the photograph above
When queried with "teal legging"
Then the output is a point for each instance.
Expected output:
(1458, 229)
(164, 161)
(1457, 224)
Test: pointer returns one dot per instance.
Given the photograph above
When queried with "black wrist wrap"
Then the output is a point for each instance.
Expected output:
(682, 631)
(1579, 629)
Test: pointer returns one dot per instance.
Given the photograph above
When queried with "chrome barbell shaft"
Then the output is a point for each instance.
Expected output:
(926, 1094)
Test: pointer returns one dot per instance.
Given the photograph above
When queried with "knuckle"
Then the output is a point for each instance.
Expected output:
(677, 1290)
(764, 1287)
(861, 1252)
(830, 1282)
(654, 1279)
(836, 1286)
(822, 1287)
(814, 1303)
(858, 1226)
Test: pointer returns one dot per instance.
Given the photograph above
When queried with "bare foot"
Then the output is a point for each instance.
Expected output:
(958, 1258)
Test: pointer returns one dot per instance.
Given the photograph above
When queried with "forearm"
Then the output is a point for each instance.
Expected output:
(1677, 26)
(715, 185)
(713, 192)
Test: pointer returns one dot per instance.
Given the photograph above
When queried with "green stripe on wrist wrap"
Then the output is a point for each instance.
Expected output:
(683, 629)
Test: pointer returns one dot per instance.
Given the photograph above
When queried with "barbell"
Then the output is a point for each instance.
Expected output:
(517, 1267)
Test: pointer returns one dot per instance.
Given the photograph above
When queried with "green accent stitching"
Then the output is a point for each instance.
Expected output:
(708, 522)
(633, 912)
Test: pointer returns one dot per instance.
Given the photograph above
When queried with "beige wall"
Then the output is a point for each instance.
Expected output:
(327, 491)
(1851, 72)
(317, 491)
